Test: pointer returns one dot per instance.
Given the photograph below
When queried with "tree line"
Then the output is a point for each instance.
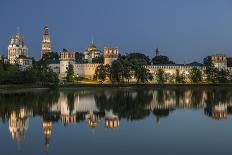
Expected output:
(38, 74)
(131, 66)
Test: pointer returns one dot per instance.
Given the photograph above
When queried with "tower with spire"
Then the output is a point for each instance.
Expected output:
(46, 42)
(17, 48)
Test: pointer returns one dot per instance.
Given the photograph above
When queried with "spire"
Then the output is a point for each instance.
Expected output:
(46, 32)
(92, 41)
(157, 52)
(23, 41)
(12, 40)
(17, 38)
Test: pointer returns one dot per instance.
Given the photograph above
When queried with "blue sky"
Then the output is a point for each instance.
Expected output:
(184, 30)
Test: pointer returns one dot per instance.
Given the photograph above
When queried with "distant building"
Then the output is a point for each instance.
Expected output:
(110, 55)
(66, 58)
(81, 70)
(219, 61)
(46, 42)
(157, 52)
(91, 52)
(17, 48)
(24, 63)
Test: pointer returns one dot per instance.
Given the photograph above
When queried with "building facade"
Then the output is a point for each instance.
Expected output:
(81, 70)
(46, 42)
(17, 48)
(110, 55)
(91, 52)
(219, 61)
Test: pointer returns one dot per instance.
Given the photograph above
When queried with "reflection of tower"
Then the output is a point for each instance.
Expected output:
(111, 120)
(92, 120)
(46, 42)
(18, 124)
(217, 112)
(67, 116)
(47, 130)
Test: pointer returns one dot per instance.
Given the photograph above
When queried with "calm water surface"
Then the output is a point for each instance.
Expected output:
(116, 121)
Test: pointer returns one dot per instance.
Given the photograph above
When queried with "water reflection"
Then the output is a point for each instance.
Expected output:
(106, 106)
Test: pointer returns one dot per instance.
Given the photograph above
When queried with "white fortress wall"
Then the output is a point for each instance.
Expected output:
(85, 70)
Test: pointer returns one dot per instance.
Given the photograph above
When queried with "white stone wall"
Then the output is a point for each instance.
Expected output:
(85, 70)
(109, 60)
(63, 67)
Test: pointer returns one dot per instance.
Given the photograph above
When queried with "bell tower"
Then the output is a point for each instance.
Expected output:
(46, 42)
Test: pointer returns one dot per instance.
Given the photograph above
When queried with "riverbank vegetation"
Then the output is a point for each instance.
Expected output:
(39, 74)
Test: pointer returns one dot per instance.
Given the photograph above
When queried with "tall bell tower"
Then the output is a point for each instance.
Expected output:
(46, 42)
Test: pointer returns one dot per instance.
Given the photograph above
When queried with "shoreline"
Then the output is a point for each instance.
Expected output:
(73, 85)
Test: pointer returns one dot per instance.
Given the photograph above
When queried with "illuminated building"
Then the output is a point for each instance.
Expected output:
(66, 58)
(17, 48)
(46, 42)
(110, 55)
(91, 52)
(219, 61)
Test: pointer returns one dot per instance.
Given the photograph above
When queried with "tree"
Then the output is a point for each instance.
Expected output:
(100, 73)
(138, 59)
(70, 73)
(127, 70)
(229, 62)
(160, 60)
(142, 74)
(161, 76)
(79, 57)
(179, 77)
(117, 70)
(98, 60)
(223, 76)
(210, 72)
(195, 75)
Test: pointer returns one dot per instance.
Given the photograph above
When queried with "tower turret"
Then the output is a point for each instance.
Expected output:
(110, 55)
(46, 42)
(157, 52)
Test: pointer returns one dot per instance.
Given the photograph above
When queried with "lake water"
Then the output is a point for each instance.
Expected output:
(116, 121)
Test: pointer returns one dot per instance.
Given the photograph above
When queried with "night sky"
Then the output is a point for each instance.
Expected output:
(184, 30)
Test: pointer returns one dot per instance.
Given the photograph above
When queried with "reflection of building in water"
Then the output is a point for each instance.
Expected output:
(162, 103)
(69, 106)
(18, 124)
(111, 120)
(189, 99)
(92, 119)
(165, 101)
(47, 131)
(217, 112)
